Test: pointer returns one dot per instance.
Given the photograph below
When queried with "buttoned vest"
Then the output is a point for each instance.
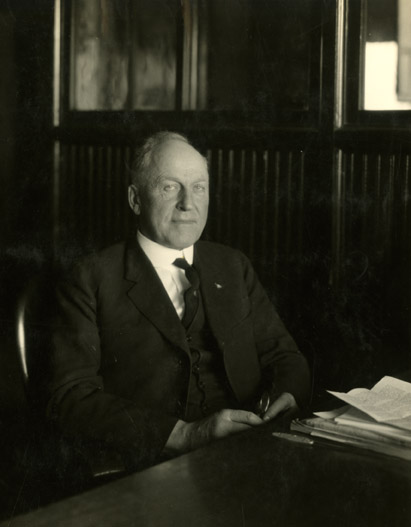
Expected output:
(209, 389)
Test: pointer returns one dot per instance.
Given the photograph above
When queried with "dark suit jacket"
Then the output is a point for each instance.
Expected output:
(120, 360)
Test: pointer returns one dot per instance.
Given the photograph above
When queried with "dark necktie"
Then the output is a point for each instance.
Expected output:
(191, 295)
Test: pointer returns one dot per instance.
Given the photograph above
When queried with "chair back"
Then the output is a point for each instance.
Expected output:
(32, 339)
(33, 319)
(21, 333)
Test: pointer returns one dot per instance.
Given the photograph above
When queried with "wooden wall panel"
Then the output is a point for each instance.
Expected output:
(90, 199)
(372, 209)
(257, 202)
(371, 261)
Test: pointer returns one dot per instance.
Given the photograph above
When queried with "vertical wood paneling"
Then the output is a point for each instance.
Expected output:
(276, 202)
(265, 206)
(406, 223)
(371, 195)
(257, 203)
(371, 244)
(90, 205)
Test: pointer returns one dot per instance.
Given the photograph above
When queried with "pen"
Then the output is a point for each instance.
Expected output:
(293, 437)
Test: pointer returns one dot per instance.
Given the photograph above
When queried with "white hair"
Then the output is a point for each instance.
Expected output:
(141, 167)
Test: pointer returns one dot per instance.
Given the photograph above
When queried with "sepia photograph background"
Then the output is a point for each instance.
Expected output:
(303, 110)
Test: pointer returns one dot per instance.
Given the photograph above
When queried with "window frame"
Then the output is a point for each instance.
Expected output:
(67, 119)
(350, 37)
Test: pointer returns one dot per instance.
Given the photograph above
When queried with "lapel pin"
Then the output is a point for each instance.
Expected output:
(218, 286)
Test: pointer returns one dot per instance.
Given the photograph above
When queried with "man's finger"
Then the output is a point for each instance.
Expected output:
(284, 402)
(233, 427)
(247, 418)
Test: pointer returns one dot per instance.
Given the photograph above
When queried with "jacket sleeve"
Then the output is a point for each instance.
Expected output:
(78, 403)
(283, 366)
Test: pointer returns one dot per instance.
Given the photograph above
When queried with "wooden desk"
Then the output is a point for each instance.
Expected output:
(253, 479)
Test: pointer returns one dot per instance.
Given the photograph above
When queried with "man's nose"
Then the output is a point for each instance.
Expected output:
(185, 201)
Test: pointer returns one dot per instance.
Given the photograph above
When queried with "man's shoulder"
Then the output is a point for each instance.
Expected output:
(108, 261)
(112, 254)
(217, 248)
(219, 252)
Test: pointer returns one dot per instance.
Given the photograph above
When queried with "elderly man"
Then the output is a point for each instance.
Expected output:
(165, 343)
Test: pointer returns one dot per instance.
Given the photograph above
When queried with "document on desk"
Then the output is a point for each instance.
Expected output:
(349, 436)
(389, 401)
(378, 419)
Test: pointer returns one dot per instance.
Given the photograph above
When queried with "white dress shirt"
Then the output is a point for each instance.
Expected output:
(172, 277)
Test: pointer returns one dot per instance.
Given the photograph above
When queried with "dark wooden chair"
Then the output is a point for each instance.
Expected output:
(57, 466)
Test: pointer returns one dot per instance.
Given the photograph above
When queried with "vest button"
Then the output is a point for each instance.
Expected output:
(195, 368)
(189, 338)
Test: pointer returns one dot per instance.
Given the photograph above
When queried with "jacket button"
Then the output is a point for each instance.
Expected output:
(189, 338)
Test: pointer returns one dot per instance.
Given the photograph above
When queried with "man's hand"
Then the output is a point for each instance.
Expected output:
(284, 403)
(189, 436)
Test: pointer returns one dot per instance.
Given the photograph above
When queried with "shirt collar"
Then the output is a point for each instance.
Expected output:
(161, 256)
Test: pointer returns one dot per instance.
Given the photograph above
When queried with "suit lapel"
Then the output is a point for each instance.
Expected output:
(215, 292)
(149, 296)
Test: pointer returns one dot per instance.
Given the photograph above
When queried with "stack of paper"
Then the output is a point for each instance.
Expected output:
(378, 419)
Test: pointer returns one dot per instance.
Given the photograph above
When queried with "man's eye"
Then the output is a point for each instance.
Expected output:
(199, 188)
(170, 188)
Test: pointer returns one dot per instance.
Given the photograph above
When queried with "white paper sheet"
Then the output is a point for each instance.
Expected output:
(389, 401)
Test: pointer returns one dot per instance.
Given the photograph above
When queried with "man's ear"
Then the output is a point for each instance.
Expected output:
(134, 199)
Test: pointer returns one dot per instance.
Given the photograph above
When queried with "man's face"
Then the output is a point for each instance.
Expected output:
(172, 207)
